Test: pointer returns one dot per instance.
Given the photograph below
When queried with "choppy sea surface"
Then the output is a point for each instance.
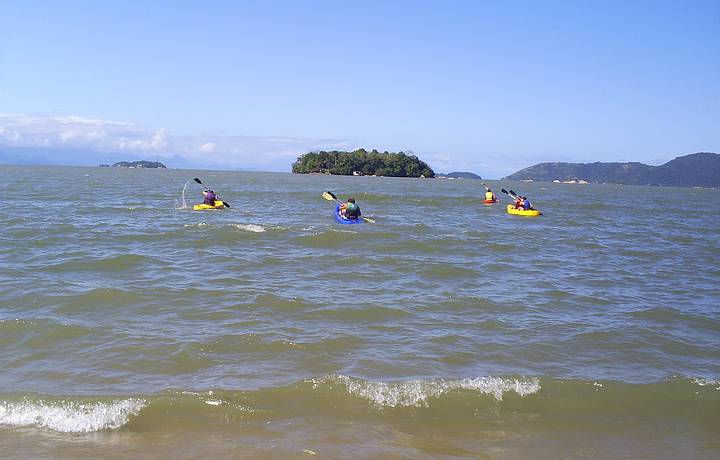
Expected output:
(132, 326)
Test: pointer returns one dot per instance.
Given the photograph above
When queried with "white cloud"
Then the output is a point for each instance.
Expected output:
(22, 130)
(70, 131)
(207, 147)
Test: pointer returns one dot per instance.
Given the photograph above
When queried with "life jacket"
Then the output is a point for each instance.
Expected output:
(352, 211)
(527, 205)
(489, 196)
(210, 198)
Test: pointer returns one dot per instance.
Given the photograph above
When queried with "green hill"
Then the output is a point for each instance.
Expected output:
(694, 170)
(362, 162)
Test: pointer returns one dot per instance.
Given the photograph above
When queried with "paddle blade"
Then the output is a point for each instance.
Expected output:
(198, 181)
(367, 219)
(504, 191)
(330, 196)
(226, 204)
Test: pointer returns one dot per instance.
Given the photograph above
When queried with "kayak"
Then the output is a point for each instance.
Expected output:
(203, 207)
(490, 201)
(342, 220)
(521, 212)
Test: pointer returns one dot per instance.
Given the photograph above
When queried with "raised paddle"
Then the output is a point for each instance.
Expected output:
(225, 203)
(330, 196)
(511, 194)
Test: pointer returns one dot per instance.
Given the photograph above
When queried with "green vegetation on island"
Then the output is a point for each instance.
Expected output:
(694, 170)
(138, 164)
(362, 162)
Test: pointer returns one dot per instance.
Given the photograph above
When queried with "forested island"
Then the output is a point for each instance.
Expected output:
(694, 170)
(362, 162)
(138, 164)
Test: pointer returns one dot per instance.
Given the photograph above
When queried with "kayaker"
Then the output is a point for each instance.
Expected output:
(526, 205)
(518, 202)
(490, 196)
(210, 197)
(350, 210)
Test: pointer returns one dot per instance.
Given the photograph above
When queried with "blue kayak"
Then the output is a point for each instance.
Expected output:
(342, 220)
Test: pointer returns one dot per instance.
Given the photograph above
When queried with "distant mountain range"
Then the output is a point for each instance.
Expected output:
(81, 157)
(458, 175)
(693, 170)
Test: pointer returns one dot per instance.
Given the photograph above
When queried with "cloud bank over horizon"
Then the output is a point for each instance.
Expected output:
(272, 153)
(77, 140)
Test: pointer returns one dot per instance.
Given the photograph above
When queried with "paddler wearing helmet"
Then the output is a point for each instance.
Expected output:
(350, 210)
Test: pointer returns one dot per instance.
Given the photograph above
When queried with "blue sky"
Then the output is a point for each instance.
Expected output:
(489, 87)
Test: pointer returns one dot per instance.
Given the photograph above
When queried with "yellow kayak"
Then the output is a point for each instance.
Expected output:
(521, 212)
(202, 206)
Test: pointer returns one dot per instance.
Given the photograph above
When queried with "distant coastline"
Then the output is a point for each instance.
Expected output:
(694, 170)
(458, 175)
(137, 164)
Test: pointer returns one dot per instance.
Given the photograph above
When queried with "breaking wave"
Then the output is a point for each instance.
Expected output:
(250, 228)
(69, 416)
(417, 392)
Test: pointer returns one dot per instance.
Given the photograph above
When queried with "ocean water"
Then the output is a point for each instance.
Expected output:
(134, 327)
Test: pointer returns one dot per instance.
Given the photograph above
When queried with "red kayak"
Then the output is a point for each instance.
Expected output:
(490, 201)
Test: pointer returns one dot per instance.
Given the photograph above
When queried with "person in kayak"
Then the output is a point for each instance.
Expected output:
(526, 205)
(490, 196)
(518, 202)
(210, 197)
(350, 210)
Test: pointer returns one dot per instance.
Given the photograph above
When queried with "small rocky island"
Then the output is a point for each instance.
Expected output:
(138, 164)
(458, 175)
(362, 163)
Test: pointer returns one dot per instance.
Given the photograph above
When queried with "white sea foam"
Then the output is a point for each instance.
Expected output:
(69, 416)
(417, 392)
(250, 228)
(707, 382)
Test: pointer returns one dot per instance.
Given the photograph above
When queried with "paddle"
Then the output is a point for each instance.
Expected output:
(511, 194)
(330, 196)
(225, 203)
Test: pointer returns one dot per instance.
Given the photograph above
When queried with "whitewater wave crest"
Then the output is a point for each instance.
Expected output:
(69, 416)
(417, 392)
(706, 382)
(250, 228)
